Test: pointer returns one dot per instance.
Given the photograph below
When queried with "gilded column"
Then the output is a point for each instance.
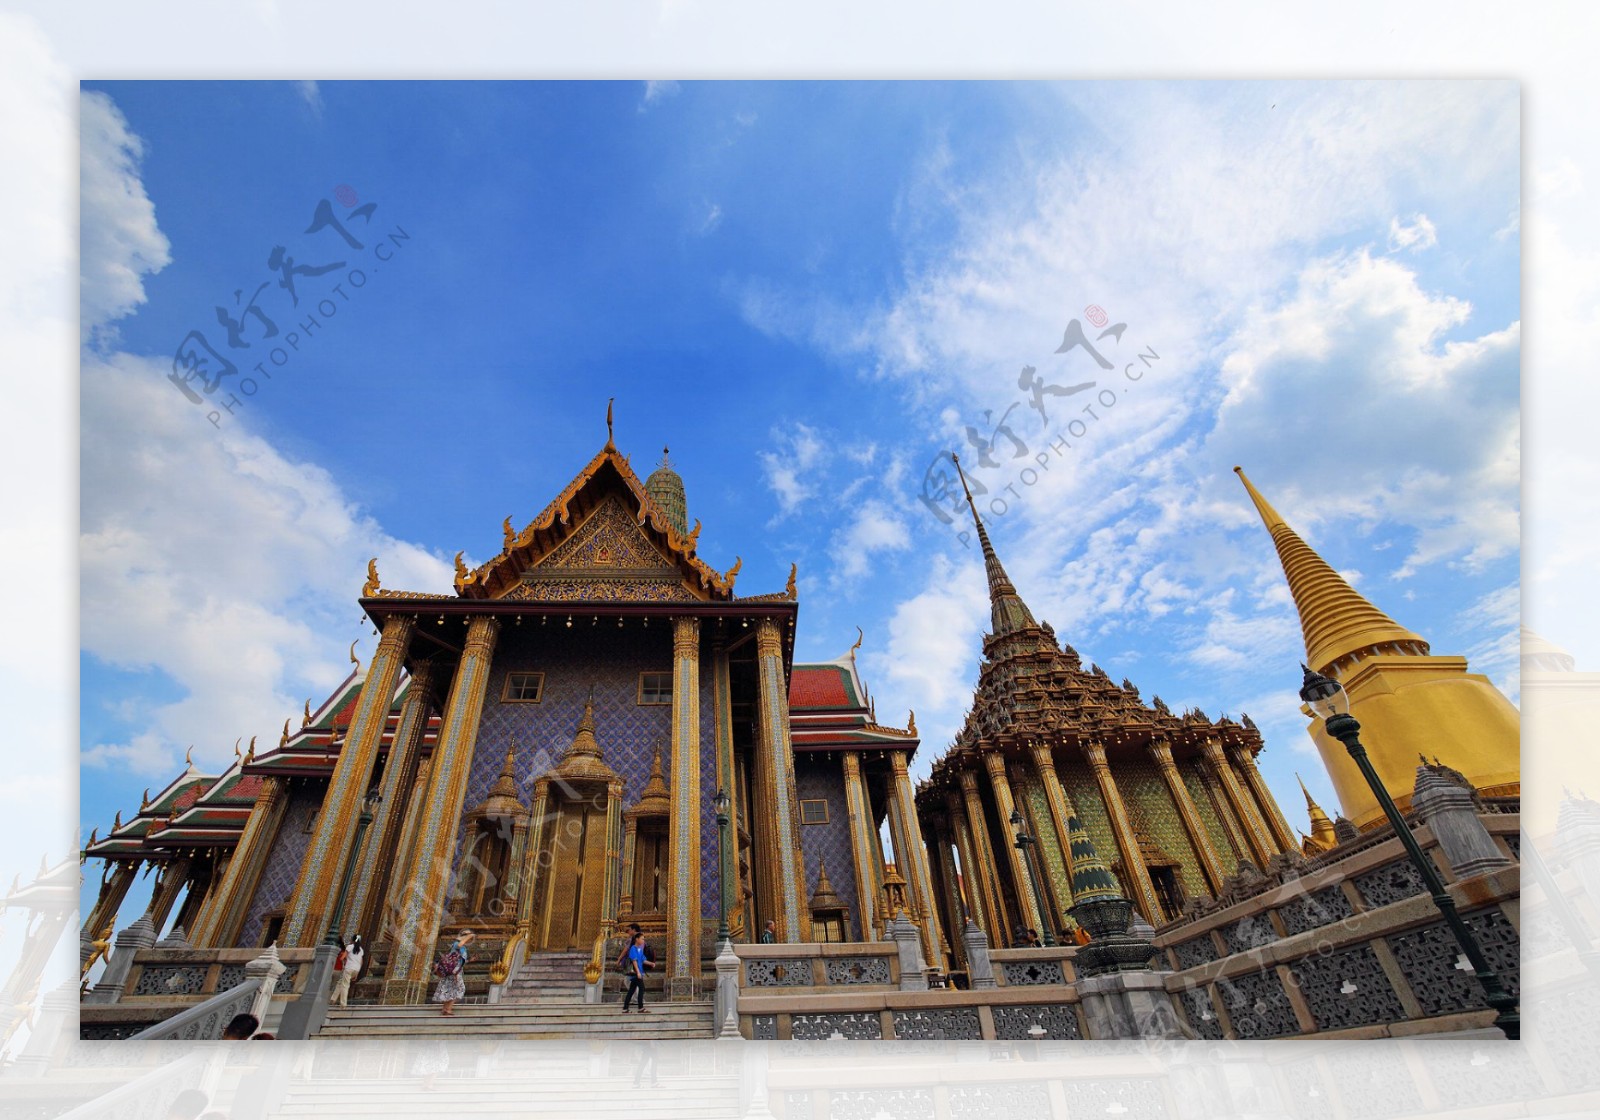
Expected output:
(1050, 862)
(630, 841)
(220, 925)
(1005, 805)
(858, 807)
(405, 852)
(777, 764)
(174, 876)
(220, 862)
(1199, 839)
(422, 905)
(535, 858)
(969, 881)
(683, 825)
(113, 889)
(985, 870)
(912, 859)
(1136, 876)
(1255, 831)
(1266, 804)
(1055, 795)
(383, 834)
(944, 870)
(199, 885)
(610, 906)
(727, 775)
(310, 907)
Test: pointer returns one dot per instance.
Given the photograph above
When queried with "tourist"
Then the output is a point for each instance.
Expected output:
(637, 962)
(451, 970)
(349, 970)
(264, 1036)
(240, 1027)
(770, 934)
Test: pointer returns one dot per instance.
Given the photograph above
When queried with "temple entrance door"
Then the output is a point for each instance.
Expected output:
(575, 898)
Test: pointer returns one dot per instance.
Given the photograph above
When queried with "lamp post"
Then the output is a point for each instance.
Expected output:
(1328, 699)
(369, 805)
(1024, 842)
(720, 803)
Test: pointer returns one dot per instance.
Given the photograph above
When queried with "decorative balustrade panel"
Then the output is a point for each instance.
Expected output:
(764, 1027)
(1315, 910)
(1390, 883)
(944, 1022)
(1257, 1006)
(1347, 989)
(1250, 932)
(1201, 1014)
(881, 1104)
(853, 1025)
(858, 970)
(1022, 973)
(1001, 1101)
(1036, 1022)
(778, 973)
(1195, 952)
(170, 980)
(1437, 971)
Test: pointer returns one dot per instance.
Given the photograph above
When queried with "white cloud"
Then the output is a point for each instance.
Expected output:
(872, 529)
(787, 466)
(656, 92)
(1419, 235)
(311, 94)
(121, 242)
(712, 219)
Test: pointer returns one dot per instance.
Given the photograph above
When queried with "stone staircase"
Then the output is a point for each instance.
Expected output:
(548, 978)
(532, 1020)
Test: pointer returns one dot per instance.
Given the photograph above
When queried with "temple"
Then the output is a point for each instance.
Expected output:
(1408, 699)
(1172, 802)
(593, 729)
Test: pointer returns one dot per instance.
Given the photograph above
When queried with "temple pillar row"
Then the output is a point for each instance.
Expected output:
(1210, 864)
(377, 859)
(423, 896)
(727, 781)
(945, 882)
(781, 852)
(220, 924)
(858, 811)
(1021, 886)
(329, 852)
(1266, 805)
(1060, 805)
(114, 885)
(683, 825)
(912, 858)
(984, 870)
(1143, 892)
(1255, 830)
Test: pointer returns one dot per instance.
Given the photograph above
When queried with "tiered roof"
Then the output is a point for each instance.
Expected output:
(830, 709)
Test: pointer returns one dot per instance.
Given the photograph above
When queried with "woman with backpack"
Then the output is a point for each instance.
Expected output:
(451, 970)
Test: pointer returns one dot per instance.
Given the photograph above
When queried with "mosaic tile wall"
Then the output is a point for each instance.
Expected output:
(1190, 771)
(611, 659)
(1156, 817)
(288, 852)
(828, 843)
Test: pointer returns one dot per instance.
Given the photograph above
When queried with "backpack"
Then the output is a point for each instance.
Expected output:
(340, 960)
(448, 965)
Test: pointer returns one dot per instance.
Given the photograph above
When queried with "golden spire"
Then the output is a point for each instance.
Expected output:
(655, 797)
(1336, 619)
(825, 897)
(1321, 827)
(582, 758)
(1007, 612)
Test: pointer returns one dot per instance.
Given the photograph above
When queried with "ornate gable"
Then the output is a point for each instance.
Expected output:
(608, 557)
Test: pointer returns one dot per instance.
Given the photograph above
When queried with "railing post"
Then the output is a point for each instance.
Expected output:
(265, 970)
(907, 938)
(980, 969)
(727, 1001)
(140, 935)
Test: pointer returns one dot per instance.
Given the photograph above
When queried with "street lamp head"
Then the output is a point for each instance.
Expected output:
(372, 800)
(1016, 818)
(1325, 696)
(720, 802)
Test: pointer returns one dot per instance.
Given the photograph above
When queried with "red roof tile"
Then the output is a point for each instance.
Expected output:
(817, 688)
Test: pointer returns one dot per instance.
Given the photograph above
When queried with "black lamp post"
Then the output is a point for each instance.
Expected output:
(369, 805)
(1025, 842)
(1328, 699)
(720, 802)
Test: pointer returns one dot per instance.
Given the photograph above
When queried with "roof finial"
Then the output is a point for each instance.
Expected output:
(860, 637)
(188, 756)
(911, 723)
(370, 588)
(789, 588)
(354, 660)
(610, 440)
(666, 459)
(306, 719)
(1008, 613)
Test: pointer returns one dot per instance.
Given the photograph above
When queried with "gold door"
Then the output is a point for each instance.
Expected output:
(577, 881)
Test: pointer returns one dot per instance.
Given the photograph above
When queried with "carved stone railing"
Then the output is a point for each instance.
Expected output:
(206, 1020)
(162, 983)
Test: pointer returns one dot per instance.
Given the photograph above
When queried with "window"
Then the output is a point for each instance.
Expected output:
(523, 688)
(655, 688)
(814, 811)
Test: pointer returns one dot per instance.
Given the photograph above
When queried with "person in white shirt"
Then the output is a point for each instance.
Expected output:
(354, 954)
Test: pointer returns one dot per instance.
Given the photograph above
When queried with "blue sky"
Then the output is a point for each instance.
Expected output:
(808, 291)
